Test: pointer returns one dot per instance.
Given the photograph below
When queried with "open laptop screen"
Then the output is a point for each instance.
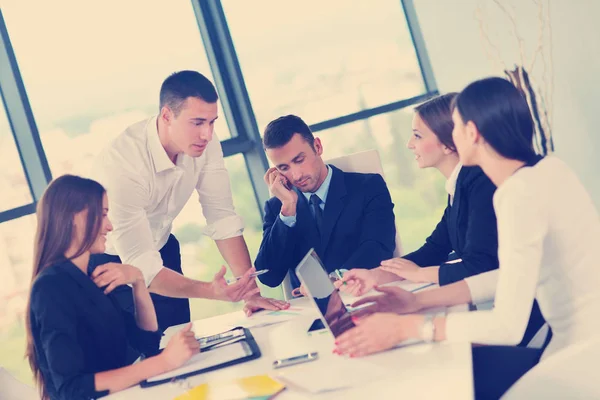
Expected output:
(325, 296)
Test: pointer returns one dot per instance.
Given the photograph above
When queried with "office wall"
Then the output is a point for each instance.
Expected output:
(458, 54)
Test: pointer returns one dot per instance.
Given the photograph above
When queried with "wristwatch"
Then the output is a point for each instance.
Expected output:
(427, 331)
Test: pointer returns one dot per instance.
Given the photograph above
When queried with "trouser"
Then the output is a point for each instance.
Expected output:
(536, 321)
(169, 311)
(497, 368)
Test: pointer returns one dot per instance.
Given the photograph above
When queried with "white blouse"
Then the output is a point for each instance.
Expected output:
(548, 240)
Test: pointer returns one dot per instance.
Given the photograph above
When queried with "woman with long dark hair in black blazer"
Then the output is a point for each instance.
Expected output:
(548, 230)
(79, 341)
(467, 228)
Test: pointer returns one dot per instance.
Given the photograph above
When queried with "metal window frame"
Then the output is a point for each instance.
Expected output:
(229, 80)
(237, 108)
(23, 127)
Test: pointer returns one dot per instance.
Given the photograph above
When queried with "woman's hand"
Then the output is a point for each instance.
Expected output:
(393, 299)
(377, 332)
(113, 274)
(300, 291)
(357, 281)
(181, 347)
(403, 268)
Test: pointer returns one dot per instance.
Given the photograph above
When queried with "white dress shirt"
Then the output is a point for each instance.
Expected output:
(146, 191)
(451, 182)
(322, 191)
(548, 234)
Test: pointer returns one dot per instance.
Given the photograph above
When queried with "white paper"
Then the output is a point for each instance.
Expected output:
(265, 318)
(207, 359)
(332, 373)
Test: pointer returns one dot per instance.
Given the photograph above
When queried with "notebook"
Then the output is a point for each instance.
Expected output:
(220, 352)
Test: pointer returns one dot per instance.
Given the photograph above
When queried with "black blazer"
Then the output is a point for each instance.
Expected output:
(78, 331)
(468, 227)
(358, 229)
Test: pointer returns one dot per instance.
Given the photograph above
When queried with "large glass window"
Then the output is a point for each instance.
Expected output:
(11, 170)
(323, 59)
(88, 77)
(16, 258)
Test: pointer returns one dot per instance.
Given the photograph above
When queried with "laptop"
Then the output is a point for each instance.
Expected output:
(327, 299)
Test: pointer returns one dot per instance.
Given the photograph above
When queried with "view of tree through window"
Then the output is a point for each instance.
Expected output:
(323, 59)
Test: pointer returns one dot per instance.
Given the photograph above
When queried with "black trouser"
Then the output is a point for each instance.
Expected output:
(536, 321)
(497, 368)
(169, 311)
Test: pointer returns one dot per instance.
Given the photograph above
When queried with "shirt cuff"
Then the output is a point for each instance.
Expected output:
(289, 221)
(225, 228)
(483, 286)
(150, 263)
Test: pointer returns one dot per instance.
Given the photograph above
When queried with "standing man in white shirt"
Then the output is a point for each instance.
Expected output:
(150, 171)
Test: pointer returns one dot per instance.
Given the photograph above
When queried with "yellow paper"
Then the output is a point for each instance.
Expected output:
(244, 388)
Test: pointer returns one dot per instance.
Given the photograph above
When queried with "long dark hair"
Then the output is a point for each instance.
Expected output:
(437, 115)
(64, 197)
(501, 115)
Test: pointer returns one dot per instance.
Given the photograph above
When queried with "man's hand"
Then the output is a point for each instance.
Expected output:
(394, 299)
(277, 186)
(405, 269)
(257, 303)
(243, 288)
(113, 274)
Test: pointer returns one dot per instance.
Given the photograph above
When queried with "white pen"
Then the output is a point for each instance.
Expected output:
(252, 275)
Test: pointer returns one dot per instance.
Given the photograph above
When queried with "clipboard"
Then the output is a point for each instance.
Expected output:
(220, 354)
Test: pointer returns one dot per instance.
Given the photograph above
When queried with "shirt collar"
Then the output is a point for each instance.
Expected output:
(158, 153)
(323, 189)
(451, 182)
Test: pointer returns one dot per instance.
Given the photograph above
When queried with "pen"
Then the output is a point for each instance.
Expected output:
(340, 276)
(253, 275)
(422, 287)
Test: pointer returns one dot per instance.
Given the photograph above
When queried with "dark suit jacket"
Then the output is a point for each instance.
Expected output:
(468, 227)
(358, 229)
(78, 331)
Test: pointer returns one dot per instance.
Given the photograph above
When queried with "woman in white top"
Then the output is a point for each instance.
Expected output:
(548, 230)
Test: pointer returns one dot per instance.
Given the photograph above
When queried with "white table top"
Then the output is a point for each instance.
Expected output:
(423, 371)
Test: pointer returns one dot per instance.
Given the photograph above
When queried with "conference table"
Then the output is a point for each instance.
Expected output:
(417, 371)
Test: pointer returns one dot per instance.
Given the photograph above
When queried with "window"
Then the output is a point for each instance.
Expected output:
(11, 170)
(87, 78)
(323, 59)
(90, 77)
(92, 69)
(16, 258)
(419, 195)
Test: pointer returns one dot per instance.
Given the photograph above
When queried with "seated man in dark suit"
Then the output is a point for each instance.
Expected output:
(346, 217)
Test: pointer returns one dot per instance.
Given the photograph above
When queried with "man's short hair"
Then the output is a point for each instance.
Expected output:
(183, 84)
(280, 131)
